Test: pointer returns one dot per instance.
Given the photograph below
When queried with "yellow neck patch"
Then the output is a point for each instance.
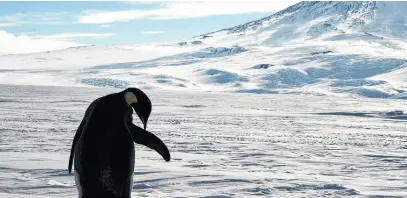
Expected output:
(130, 98)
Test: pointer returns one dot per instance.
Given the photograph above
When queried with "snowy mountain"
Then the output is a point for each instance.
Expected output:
(316, 19)
(322, 48)
(295, 144)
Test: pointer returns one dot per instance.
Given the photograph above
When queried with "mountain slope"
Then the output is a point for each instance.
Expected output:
(323, 48)
(313, 20)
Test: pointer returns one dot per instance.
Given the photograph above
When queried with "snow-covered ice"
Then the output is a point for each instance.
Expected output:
(308, 102)
(222, 144)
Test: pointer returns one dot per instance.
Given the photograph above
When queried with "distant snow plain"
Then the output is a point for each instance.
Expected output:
(300, 108)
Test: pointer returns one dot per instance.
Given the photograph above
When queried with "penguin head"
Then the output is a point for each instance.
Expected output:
(110, 107)
(140, 103)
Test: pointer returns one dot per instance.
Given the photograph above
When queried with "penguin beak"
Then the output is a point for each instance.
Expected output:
(140, 103)
(143, 110)
(143, 119)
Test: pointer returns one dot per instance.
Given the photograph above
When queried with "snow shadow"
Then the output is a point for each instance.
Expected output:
(397, 115)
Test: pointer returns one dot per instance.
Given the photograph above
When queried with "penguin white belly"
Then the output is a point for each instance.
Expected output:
(78, 184)
(131, 183)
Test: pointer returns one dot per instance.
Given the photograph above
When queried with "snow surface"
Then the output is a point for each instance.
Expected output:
(306, 67)
(222, 144)
(298, 104)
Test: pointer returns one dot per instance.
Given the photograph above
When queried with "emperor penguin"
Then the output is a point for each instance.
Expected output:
(103, 148)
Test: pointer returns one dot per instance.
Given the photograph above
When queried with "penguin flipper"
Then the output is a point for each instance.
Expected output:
(143, 137)
(75, 139)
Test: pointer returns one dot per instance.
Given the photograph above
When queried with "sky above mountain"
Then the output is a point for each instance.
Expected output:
(54, 25)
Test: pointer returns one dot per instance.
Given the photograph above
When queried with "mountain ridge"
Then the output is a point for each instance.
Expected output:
(309, 20)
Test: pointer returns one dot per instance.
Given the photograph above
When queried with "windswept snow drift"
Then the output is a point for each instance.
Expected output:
(222, 145)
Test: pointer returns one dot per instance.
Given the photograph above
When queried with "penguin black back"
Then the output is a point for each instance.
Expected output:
(104, 153)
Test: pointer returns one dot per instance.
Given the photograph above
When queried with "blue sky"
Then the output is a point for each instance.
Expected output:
(59, 24)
